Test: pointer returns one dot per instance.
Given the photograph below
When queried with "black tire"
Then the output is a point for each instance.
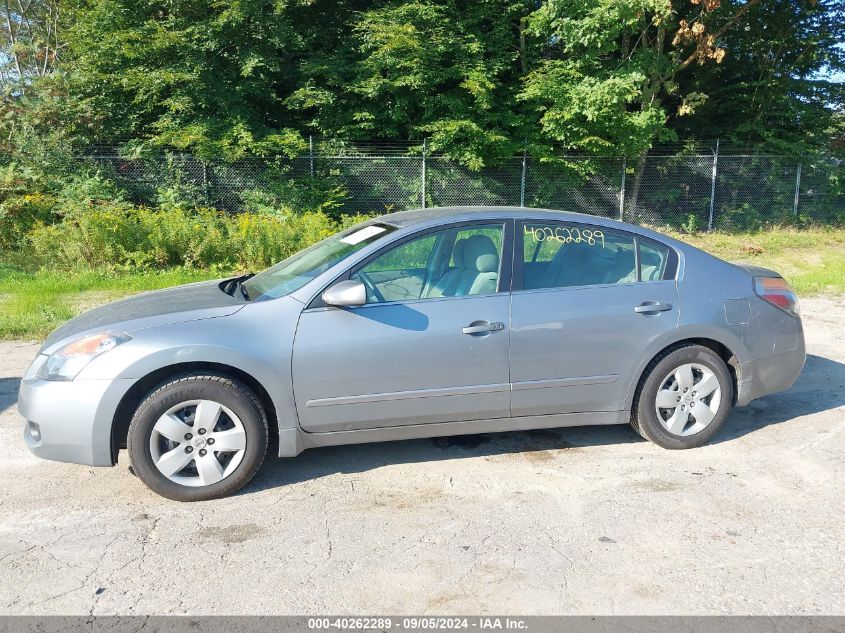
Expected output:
(198, 386)
(644, 418)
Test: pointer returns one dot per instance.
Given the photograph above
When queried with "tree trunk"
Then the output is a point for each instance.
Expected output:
(523, 49)
(13, 40)
(633, 208)
(649, 96)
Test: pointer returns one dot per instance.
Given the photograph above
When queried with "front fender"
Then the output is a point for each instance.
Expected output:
(244, 341)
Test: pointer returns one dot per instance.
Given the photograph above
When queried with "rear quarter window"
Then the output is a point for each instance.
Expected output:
(657, 261)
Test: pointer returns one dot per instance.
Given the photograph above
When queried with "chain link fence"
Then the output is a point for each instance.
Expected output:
(695, 192)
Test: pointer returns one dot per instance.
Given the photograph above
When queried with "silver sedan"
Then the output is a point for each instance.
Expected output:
(415, 324)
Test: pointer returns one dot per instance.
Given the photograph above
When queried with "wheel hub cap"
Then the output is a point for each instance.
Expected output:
(198, 443)
(688, 399)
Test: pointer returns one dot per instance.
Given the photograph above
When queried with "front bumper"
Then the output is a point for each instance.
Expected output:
(70, 421)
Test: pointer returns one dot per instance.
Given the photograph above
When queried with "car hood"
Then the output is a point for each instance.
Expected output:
(203, 300)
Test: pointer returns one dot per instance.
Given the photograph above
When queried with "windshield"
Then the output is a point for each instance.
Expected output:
(298, 269)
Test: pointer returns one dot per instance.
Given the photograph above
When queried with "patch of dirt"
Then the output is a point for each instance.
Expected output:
(231, 534)
(656, 485)
(89, 299)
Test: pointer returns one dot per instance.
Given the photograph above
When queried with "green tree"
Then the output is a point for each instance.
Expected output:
(480, 80)
(30, 39)
(773, 88)
(191, 74)
(445, 69)
(611, 68)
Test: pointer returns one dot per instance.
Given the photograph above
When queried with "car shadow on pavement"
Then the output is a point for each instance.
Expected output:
(530, 445)
(820, 387)
(8, 392)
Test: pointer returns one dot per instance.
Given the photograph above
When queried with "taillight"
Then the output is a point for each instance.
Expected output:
(776, 291)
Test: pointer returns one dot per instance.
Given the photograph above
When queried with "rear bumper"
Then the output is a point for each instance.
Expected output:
(70, 421)
(761, 377)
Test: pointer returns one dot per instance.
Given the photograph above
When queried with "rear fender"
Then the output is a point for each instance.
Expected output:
(680, 335)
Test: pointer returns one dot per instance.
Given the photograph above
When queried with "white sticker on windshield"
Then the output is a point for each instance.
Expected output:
(359, 236)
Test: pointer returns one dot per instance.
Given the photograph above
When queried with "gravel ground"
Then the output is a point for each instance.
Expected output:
(575, 521)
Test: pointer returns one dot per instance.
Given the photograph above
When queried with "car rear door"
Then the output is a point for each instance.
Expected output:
(432, 348)
(586, 302)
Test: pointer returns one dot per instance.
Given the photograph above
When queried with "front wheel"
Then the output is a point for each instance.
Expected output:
(198, 437)
(684, 399)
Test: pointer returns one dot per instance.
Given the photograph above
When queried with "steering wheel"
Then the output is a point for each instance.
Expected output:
(370, 286)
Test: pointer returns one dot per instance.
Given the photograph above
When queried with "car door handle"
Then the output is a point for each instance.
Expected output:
(480, 327)
(650, 307)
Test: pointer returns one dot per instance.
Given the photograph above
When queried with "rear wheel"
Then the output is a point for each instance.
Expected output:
(684, 399)
(198, 437)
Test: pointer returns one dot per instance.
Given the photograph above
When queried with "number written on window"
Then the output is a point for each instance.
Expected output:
(566, 235)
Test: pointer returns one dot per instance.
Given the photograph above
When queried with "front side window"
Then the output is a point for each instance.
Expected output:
(297, 270)
(557, 255)
(455, 262)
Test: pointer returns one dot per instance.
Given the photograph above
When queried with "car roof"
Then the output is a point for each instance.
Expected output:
(437, 215)
(433, 214)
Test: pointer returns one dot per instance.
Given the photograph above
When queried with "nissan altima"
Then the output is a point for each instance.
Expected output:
(416, 324)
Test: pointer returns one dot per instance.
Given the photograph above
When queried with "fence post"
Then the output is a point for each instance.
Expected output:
(797, 189)
(622, 190)
(713, 187)
(205, 182)
(522, 182)
(422, 176)
(311, 155)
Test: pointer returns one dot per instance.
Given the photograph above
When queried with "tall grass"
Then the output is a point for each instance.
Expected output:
(121, 236)
(33, 304)
(811, 259)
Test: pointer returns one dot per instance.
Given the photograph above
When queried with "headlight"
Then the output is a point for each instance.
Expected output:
(71, 359)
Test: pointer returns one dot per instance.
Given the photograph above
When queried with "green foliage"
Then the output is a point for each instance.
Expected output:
(19, 214)
(599, 90)
(197, 74)
(481, 80)
(447, 70)
(282, 194)
(691, 225)
(773, 88)
(119, 235)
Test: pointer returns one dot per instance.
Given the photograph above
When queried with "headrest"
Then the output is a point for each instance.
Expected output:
(480, 254)
(624, 255)
(572, 253)
(569, 249)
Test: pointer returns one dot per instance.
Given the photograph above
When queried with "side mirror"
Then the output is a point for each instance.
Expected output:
(345, 294)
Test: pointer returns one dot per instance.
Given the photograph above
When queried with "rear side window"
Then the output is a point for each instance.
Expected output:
(559, 255)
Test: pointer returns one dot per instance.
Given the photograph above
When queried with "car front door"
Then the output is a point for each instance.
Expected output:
(587, 301)
(429, 346)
